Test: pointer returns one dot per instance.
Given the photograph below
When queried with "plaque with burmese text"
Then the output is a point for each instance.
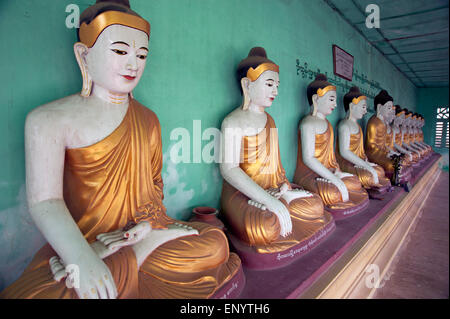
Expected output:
(342, 63)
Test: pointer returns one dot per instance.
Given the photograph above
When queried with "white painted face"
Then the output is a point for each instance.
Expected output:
(263, 90)
(359, 110)
(327, 103)
(117, 60)
(386, 110)
(398, 120)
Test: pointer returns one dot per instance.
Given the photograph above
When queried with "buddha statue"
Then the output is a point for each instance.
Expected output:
(419, 134)
(351, 156)
(376, 129)
(406, 139)
(317, 168)
(94, 186)
(397, 139)
(414, 138)
(265, 215)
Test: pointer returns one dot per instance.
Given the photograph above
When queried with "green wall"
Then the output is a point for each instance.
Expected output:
(195, 47)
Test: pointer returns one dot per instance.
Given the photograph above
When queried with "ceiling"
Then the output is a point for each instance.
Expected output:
(413, 35)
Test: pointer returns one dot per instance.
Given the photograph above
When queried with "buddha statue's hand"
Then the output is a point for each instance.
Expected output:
(340, 174)
(281, 211)
(278, 192)
(371, 170)
(115, 240)
(339, 184)
(93, 280)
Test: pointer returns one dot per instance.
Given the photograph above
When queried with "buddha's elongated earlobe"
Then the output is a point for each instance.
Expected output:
(246, 99)
(80, 50)
(349, 112)
(314, 106)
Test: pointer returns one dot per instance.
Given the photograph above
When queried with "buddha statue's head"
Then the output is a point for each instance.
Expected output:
(259, 79)
(408, 115)
(421, 121)
(399, 116)
(321, 96)
(414, 120)
(384, 105)
(355, 104)
(112, 47)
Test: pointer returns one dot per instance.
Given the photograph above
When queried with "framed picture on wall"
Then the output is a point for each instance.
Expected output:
(342, 63)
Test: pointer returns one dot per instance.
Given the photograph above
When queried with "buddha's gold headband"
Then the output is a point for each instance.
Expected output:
(356, 100)
(90, 32)
(400, 113)
(254, 74)
(322, 92)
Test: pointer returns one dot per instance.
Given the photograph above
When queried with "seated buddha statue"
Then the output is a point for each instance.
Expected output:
(419, 134)
(263, 212)
(406, 139)
(94, 186)
(317, 168)
(376, 129)
(398, 138)
(351, 156)
(414, 137)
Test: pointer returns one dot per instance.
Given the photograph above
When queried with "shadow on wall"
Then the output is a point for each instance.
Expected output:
(19, 240)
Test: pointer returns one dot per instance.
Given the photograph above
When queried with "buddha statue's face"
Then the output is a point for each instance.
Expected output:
(117, 59)
(398, 120)
(263, 91)
(386, 110)
(325, 104)
(359, 110)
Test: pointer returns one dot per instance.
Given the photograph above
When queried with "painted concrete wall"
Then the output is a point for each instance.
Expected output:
(194, 50)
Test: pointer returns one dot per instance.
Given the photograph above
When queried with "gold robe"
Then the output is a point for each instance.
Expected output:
(414, 138)
(375, 144)
(420, 139)
(113, 182)
(260, 160)
(405, 140)
(330, 194)
(365, 177)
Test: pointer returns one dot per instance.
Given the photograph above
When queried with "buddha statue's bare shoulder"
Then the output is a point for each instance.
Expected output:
(57, 113)
(236, 119)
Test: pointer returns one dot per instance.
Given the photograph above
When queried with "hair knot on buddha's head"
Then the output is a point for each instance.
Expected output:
(321, 77)
(111, 12)
(382, 98)
(353, 96)
(258, 52)
(121, 2)
(255, 64)
(319, 86)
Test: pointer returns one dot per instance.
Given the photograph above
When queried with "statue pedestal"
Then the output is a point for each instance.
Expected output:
(378, 192)
(233, 288)
(339, 214)
(259, 261)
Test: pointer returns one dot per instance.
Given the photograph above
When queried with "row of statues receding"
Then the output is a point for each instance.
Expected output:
(94, 186)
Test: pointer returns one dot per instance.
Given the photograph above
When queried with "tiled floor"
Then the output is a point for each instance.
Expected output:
(421, 269)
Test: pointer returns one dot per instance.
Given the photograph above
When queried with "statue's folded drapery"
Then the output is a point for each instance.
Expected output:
(330, 194)
(415, 155)
(260, 160)
(365, 177)
(116, 181)
(375, 144)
